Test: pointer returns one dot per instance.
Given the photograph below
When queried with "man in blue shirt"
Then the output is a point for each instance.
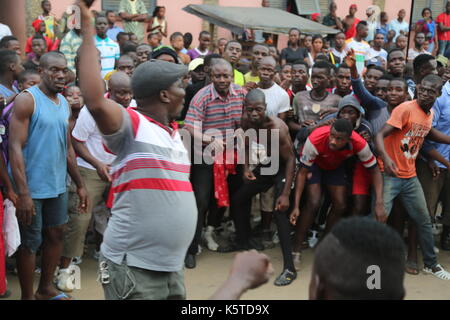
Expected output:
(113, 30)
(434, 175)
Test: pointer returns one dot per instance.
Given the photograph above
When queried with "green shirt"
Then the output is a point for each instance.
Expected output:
(249, 78)
(138, 28)
(69, 46)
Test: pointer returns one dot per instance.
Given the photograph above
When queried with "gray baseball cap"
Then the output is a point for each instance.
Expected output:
(152, 76)
(350, 100)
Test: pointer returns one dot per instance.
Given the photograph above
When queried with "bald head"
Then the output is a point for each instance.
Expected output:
(119, 87)
(269, 60)
(126, 64)
(50, 58)
(255, 95)
(221, 63)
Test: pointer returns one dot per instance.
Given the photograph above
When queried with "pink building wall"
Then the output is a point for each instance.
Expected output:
(179, 20)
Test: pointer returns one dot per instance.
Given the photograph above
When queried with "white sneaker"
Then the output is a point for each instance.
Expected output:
(76, 260)
(199, 250)
(435, 229)
(211, 244)
(313, 240)
(230, 227)
(275, 238)
(441, 274)
(436, 250)
(65, 280)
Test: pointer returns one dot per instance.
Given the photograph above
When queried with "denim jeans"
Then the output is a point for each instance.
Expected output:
(443, 46)
(413, 199)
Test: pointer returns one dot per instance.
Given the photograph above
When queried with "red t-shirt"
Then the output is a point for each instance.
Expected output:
(445, 20)
(317, 151)
(350, 33)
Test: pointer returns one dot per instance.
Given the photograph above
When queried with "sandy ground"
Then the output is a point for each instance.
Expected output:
(212, 269)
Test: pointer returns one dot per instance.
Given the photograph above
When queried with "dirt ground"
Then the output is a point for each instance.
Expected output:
(212, 269)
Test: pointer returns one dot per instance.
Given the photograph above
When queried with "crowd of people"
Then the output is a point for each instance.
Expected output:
(125, 144)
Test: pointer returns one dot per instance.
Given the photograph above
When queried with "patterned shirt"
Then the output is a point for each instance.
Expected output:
(138, 7)
(69, 46)
(212, 111)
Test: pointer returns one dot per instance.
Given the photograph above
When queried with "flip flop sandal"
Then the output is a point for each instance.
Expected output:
(441, 274)
(60, 296)
(285, 278)
(412, 268)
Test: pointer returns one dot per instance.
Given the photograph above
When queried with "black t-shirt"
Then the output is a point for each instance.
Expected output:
(294, 55)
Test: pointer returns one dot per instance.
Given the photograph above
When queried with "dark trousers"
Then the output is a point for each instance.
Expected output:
(241, 211)
(202, 179)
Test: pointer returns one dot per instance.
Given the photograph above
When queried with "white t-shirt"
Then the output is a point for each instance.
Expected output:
(4, 31)
(374, 53)
(86, 131)
(361, 52)
(277, 100)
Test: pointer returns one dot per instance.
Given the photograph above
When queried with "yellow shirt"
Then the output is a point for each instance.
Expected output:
(239, 78)
(249, 78)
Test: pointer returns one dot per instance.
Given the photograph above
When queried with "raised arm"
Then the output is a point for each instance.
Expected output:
(20, 120)
(107, 113)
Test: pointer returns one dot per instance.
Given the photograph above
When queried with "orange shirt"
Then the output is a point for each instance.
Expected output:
(404, 144)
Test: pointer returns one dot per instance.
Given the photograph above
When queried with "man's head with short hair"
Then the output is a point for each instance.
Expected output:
(423, 65)
(177, 41)
(111, 16)
(119, 88)
(221, 75)
(126, 64)
(397, 92)
(340, 134)
(143, 52)
(38, 45)
(382, 86)
(266, 70)
(204, 39)
(396, 62)
(28, 78)
(428, 90)
(53, 70)
(343, 78)
(362, 29)
(10, 63)
(101, 26)
(300, 73)
(259, 51)
(10, 43)
(401, 42)
(255, 107)
(187, 37)
(154, 40)
(122, 37)
(368, 248)
(233, 51)
(320, 75)
(209, 60)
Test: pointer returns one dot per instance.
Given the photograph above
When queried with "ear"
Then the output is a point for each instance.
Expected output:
(164, 96)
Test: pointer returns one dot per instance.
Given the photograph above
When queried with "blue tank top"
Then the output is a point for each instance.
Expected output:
(45, 152)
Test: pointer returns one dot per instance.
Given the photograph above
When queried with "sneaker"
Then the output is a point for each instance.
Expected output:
(65, 280)
(436, 250)
(285, 278)
(211, 244)
(275, 238)
(435, 229)
(441, 274)
(296, 257)
(313, 240)
(78, 260)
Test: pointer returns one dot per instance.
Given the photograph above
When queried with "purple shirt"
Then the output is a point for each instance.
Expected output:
(195, 53)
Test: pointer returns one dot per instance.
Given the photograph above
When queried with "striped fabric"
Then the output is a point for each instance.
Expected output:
(109, 52)
(154, 211)
(214, 111)
(69, 46)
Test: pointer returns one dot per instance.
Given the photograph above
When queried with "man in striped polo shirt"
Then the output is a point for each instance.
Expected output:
(218, 107)
(109, 49)
(154, 211)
